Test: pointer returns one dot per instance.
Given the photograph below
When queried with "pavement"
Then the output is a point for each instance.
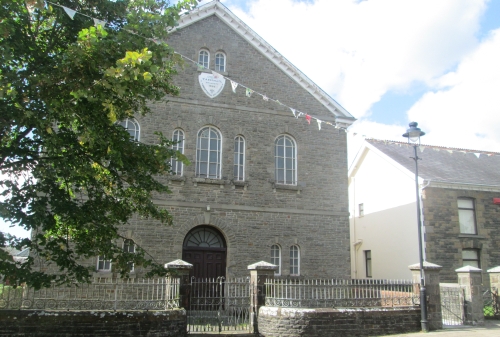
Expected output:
(491, 328)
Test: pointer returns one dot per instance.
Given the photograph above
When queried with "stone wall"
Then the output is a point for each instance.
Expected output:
(443, 240)
(292, 322)
(31, 323)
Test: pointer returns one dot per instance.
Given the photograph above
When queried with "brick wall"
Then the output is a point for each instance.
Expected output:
(291, 322)
(31, 323)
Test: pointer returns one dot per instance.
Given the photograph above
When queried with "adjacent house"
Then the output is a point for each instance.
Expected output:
(460, 208)
(268, 153)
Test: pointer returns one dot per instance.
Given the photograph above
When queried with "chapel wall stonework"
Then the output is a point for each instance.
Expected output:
(313, 215)
(444, 242)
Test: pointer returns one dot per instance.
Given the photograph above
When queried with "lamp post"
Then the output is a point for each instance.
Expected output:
(413, 134)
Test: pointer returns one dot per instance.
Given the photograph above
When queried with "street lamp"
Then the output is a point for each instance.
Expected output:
(413, 134)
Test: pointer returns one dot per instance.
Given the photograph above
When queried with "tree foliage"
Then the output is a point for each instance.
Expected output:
(70, 173)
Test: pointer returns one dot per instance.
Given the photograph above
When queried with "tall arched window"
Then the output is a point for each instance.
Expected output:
(129, 247)
(204, 58)
(294, 260)
(285, 155)
(178, 137)
(239, 158)
(208, 153)
(276, 258)
(220, 62)
(132, 126)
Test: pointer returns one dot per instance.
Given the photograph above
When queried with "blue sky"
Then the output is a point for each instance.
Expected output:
(389, 62)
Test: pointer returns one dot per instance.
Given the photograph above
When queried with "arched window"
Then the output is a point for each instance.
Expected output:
(208, 153)
(129, 247)
(285, 155)
(178, 137)
(204, 236)
(204, 58)
(132, 126)
(220, 62)
(294, 260)
(276, 258)
(239, 158)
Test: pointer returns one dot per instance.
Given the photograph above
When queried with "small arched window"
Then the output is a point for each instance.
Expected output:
(204, 58)
(129, 247)
(239, 158)
(294, 260)
(276, 258)
(178, 138)
(220, 62)
(208, 153)
(285, 155)
(132, 126)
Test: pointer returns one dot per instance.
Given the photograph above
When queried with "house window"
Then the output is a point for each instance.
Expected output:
(132, 126)
(285, 161)
(220, 62)
(368, 263)
(178, 138)
(208, 153)
(470, 257)
(204, 58)
(361, 210)
(103, 264)
(276, 258)
(294, 260)
(239, 158)
(129, 247)
(466, 216)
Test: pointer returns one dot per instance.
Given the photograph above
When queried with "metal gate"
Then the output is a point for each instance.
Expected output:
(491, 305)
(452, 304)
(217, 304)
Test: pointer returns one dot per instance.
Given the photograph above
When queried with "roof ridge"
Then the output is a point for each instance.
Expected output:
(433, 146)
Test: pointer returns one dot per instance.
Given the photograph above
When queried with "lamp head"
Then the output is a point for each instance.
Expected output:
(413, 133)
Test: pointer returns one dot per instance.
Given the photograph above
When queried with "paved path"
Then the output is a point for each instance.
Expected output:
(490, 329)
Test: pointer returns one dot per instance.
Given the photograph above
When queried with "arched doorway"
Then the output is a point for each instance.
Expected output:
(205, 248)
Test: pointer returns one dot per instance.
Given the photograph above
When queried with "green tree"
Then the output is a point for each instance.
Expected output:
(70, 173)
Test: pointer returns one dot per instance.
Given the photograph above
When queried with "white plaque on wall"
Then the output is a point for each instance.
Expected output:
(211, 85)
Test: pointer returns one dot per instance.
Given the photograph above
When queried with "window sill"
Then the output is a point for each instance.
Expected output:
(299, 187)
(239, 183)
(204, 70)
(471, 236)
(181, 179)
(219, 182)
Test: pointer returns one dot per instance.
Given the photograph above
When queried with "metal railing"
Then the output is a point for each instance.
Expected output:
(340, 293)
(100, 294)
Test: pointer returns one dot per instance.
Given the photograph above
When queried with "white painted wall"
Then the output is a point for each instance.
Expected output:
(389, 225)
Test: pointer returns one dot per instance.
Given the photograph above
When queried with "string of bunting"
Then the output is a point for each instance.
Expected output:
(248, 91)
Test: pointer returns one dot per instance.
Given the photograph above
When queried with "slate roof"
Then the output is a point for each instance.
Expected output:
(444, 164)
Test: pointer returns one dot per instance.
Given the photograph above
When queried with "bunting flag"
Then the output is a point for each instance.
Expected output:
(216, 75)
(71, 13)
(477, 154)
(264, 97)
(298, 115)
(319, 124)
(98, 22)
(293, 111)
(422, 148)
(248, 92)
(308, 119)
(234, 85)
(200, 67)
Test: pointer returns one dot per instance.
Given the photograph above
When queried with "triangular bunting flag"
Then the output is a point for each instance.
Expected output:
(422, 148)
(450, 151)
(477, 154)
(248, 92)
(71, 13)
(265, 98)
(278, 102)
(216, 75)
(293, 111)
(490, 154)
(200, 67)
(308, 119)
(98, 22)
(234, 85)
(319, 124)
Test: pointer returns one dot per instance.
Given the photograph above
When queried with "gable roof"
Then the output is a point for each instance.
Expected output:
(444, 164)
(342, 117)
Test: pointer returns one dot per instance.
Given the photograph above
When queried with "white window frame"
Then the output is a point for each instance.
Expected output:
(361, 210)
(178, 166)
(288, 142)
(464, 214)
(133, 128)
(294, 261)
(202, 172)
(218, 66)
(204, 58)
(102, 262)
(239, 158)
(476, 259)
(276, 258)
(129, 247)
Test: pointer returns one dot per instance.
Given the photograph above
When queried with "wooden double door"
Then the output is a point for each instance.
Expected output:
(207, 262)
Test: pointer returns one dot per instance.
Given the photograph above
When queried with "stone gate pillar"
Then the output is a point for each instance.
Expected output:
(471, 279)
(433, 294)
(181, 269)
(259, 272)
